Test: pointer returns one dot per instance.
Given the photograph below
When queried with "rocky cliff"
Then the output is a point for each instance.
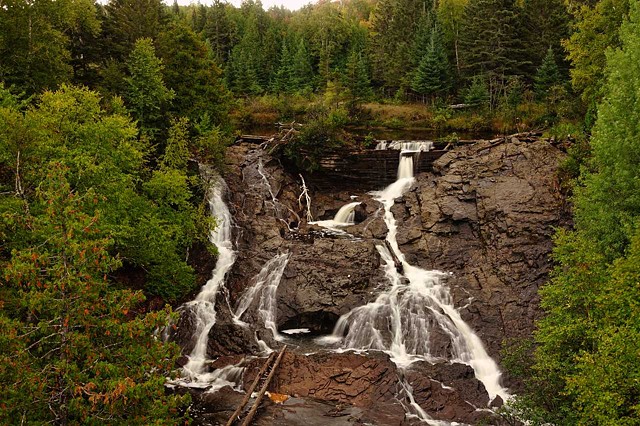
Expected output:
(485, 214)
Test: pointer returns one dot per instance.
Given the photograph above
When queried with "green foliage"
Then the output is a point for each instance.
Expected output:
(193, 76)
(146, 95)
(125, 22)
(596, 30)
(73, 349)
(104, 155)
(176, 154)
(478, 92)
(35, 44)
(319, 136)
(432, 77)
(547, 75)
(587, 362)
(356, 77)
(492, 42)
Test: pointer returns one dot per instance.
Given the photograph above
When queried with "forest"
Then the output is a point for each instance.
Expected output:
(106, 109)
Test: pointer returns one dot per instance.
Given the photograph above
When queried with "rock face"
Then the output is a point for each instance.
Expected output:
(485, 213)
(326, 276)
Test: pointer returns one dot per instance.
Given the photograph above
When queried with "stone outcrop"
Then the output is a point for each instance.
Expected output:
(485, 213)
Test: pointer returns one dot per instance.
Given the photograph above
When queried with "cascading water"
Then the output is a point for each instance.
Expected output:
(265, 286)
(416, 303)
(413, 146)
(204, 306)
(344, 217)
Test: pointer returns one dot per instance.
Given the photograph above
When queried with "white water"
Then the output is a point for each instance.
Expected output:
(405, 145)
(344, 217)
(417, 303)
(204, 305)
(265, 287)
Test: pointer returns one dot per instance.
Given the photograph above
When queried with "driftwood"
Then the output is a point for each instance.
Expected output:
(253, 386)
(256, 404)
(397, 263)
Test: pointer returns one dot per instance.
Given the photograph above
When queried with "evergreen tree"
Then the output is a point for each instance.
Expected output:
(243, 70)
(282, 82)
(191, 73)
(356, 79)
(73, 349)
(126, 21)
(301, 70)
(176, 154)
(394, 24)
(147, 96)
(35, 44)
(547, 76)
(477, 93)
(492, 42)
(432, 77)
(220, 31)
(587, 367)
(547, 24)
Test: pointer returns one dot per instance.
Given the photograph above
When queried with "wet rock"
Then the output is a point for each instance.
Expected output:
(449, 392)
(363, 381)
(360, 213)
(214, 408)
(487, 214)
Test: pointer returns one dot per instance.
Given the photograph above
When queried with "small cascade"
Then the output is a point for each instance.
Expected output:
(265, 288)
(413, 146)
(344, 217)
(204, 305)
(405, 167)
(415, 304)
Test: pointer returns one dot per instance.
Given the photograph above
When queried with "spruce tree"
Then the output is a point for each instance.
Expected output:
(492, 40)
(547, 75)
(282, 82)
(356, 78)
(302, 71)
(192, 74)
(147, 96)
(432, 77)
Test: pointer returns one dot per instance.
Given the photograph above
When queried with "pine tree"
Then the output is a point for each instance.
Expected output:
(547, 75)
(356, 78)
(547, 24)
(302, 71)
(147, 95)
(127, 21)
(220, 31)
(492, 42)
(176, 154)
(282, 82)
(191, 73)
(432, 77)
(394, 24)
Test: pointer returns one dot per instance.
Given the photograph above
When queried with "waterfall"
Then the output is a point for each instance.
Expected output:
(344, 217)
(265, 287)
(414, 146)
(204, 306)
(405, 167)
(416, 303)
(346, 214)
